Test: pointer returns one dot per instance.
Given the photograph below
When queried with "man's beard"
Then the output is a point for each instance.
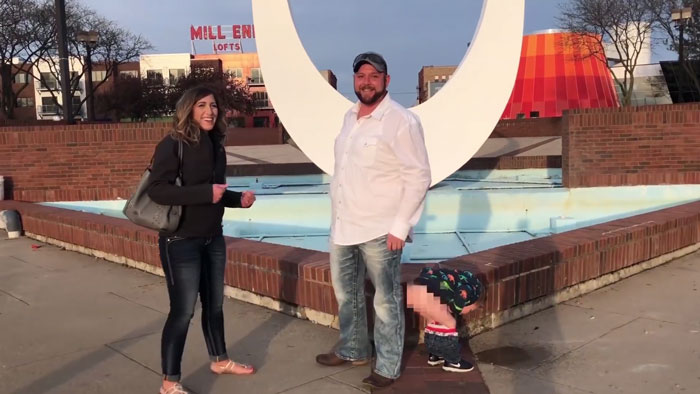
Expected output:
(372, 100)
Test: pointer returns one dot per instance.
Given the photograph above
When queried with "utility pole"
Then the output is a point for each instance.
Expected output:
(60, 6)
(89, 39)
(681, 16)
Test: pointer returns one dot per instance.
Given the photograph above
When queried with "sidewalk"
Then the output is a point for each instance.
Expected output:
(493, 147)
(638, 336)
(70, 323)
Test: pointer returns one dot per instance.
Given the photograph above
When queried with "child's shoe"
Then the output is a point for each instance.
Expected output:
(434, 360)
(461, 366)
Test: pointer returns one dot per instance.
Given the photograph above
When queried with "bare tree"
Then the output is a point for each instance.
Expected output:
(670, 34)
(23, 37)
(115, 46)
(623, 27)
(234, 94)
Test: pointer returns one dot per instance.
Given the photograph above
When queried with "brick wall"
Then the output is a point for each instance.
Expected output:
(98, 161)
(240, 136)
(533, 127)
(632, 146)
(77, 162)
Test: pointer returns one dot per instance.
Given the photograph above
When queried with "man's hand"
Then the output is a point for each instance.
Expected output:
(247, 199)
(218, 190)
(394, 243)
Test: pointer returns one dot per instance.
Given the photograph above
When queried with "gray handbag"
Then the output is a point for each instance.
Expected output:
(141, 210)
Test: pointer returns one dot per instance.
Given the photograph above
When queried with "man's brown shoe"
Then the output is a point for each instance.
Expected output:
(377, 380)
(331, 360)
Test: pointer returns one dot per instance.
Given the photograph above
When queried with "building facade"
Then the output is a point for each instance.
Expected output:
(22, 85)
(164, 68)
(245, 67)
(40, 98)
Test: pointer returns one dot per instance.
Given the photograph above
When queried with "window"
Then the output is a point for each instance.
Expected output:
(520, 116)
(534, 114)
(238, 121)
(76, 102)
(75, 80)
(154, 75)
(48, 106)
(260, 100)
(261, 121)
(99, 76)
(235, 72)
(25, 102)
(21, 77)
(48, 81)
(128, 74)
(176, 74)
(256, 76)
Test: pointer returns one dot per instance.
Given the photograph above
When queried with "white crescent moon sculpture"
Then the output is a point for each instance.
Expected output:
(456, 121)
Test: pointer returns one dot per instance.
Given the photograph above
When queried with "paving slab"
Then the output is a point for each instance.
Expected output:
(637, 336)
(505, 381)
(644, 356)
(325, 385)
(96, 370)
(544, 337)
(661, 294)
(492, 147)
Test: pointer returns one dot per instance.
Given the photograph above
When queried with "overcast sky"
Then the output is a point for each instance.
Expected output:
(409, 33)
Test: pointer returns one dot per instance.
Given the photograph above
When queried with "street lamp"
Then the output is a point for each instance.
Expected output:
(89, 39)
(681, 16)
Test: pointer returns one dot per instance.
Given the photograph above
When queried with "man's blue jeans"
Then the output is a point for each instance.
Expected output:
(349, 263)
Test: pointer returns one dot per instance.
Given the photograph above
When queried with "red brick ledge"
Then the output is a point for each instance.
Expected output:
(514, 274)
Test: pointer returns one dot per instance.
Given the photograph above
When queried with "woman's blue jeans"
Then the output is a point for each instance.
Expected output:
(192, 266)
(349, 263)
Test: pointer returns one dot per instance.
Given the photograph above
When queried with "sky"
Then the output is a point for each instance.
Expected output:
(410, 34)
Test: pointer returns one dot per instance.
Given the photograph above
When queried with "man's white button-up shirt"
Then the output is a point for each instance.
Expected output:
(381, 174)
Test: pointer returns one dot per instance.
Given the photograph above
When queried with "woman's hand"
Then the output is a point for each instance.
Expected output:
(247, 198)
(218, 191)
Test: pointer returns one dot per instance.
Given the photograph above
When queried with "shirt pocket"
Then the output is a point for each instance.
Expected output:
(367, 151)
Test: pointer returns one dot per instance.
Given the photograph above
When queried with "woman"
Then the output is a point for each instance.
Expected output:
(194, 256)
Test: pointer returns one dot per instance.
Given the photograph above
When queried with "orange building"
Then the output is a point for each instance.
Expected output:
(557, 72)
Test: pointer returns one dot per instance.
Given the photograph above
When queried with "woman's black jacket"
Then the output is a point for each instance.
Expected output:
(203, 164)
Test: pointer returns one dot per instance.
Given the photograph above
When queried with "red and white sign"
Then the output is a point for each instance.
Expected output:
(218, 33)
(222, 32)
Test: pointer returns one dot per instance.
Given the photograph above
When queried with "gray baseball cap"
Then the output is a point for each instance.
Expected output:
(375, 59)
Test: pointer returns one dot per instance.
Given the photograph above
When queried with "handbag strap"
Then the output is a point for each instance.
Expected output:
(179, 157)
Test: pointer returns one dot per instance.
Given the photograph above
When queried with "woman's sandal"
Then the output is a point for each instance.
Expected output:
(232, 368)
(174, 389)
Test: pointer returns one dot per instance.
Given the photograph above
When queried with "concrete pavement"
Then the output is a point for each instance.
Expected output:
(637, 336)
(71, 323)
(493, 147)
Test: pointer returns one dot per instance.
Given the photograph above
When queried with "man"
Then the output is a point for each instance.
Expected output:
(377, 192)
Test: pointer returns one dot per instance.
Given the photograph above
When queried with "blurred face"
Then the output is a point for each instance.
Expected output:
(370, 85)
(205, 112)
